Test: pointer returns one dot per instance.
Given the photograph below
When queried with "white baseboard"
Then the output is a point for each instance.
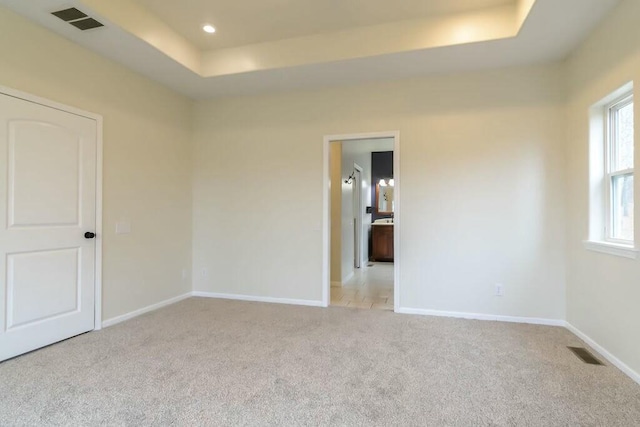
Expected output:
(136, 313)
(253, 298)
(479, 316)
(610, 357)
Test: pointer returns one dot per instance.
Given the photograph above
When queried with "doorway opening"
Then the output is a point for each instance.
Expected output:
(361, 221)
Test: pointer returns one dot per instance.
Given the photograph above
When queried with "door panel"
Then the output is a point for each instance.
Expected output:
(47, 203)
(44, 181)
(27, 300)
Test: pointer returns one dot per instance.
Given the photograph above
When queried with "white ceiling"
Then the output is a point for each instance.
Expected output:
(140, 40)
(246, 22)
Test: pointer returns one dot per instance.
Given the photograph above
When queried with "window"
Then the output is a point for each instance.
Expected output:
(611, 175)
(619, 168)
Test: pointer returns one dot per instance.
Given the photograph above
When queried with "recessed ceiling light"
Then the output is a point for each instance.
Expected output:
(209, 29)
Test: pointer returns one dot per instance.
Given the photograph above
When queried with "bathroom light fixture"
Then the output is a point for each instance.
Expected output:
(209, 29)
(382, 183)
(351, 178)
(391, 182)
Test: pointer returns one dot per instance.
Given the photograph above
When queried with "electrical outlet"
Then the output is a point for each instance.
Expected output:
(499, 290)
(204, 272)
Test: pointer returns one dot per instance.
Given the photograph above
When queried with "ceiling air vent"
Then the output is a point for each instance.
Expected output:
(77, 18)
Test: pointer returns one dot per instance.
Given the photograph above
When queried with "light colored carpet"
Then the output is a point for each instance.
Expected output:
(214, 362)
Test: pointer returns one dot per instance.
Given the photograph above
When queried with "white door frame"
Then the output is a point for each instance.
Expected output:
(97, 324)
(358, 214)
(326, 210)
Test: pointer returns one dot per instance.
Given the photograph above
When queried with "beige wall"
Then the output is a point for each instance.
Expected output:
(335, 165)
(482, 169)
(603, 291)
(147, 158)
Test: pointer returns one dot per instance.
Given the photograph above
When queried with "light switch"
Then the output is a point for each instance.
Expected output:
(123, 227)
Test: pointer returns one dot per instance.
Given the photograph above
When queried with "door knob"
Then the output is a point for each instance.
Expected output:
(89, 235)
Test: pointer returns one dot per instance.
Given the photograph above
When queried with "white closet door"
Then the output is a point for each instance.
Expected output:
(47, 204)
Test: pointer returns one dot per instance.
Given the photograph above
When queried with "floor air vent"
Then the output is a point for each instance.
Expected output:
(585, 355)
(77, 18)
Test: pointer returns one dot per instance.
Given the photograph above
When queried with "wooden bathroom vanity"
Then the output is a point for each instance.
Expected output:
(382, 242)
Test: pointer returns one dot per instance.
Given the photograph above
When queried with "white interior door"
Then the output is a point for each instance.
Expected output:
(47, 204)
(357, 216)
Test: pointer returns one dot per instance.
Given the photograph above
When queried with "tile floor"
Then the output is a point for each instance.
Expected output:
(370, 288)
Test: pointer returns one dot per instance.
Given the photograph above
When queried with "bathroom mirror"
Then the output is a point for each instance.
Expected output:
(384, 199)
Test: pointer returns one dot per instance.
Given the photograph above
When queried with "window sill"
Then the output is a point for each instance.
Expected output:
(616, 249)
